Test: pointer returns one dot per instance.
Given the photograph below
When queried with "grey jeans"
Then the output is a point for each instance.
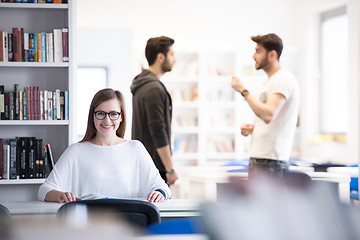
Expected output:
(270, 167)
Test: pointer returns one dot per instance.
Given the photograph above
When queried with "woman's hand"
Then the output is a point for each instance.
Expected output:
(155, 196)
(65, 197)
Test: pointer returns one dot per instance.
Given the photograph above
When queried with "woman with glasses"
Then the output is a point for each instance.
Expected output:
(103, 163)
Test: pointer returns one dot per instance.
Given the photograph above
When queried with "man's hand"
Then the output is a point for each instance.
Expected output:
(236, 84)
(171, 178)
(247, 129)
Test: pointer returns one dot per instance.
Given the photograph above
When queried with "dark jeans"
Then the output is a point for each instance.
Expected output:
(270, 167)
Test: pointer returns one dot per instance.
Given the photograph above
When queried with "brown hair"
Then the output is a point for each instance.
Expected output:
(100, 97)
(157, 45)
(270, 42)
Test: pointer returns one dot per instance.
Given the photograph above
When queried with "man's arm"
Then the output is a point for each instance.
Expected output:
(266, 111)
(165, 156)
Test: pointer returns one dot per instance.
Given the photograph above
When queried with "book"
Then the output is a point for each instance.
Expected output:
(10, 47)
(1, 47)
(38, 158)
(43, 47)
(50, 157)
(31, 157)
(2, 102)
(36, 47)
(6, 105)
(66, 105)
(24, 157)
(62, 105)
(16, 103)
(58, 51)
(31, 48)
(1, 159)
(11, 106)
(5, 46)
(6, 152)
(13, 162)
(25, 105)
(58, 103)
(17, 45)
(50, 105)
(39, 52)
(26, 48)
(22, 44)
(65, 45)
(46, 114)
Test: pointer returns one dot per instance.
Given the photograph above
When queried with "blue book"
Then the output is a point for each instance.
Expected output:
(24, 106)
(43, 47)
(36, 55)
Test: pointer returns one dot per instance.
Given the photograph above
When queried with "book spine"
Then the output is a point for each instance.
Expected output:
(11, 105)
(40, 57)
(26, 47)
(50, 105)
(16, 99)
(6, 160)
(1, 158)
(62, 105)
(43, 47)
(10, 47)
(1, 47)
(6, 46)
(22, 44)
(21, 105)
(54, 105)
(66, 108)
(36, 47)
(31, 157)
(41, 105)
(23, 144)
(46, 114)
(13, 168)
(58, 103)
(65, 37)
(2, 102)
(58, 52)
(6, 105)
(31, 48)
(25, 104)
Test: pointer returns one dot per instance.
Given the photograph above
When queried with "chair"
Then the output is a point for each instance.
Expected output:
(136, 212)
(4, 213)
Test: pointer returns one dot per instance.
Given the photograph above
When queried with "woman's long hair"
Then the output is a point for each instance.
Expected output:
(100, 97)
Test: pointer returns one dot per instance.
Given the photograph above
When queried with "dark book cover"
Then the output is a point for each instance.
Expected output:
(39, 158)
(62, 105)
(24, 157)
(6, 105)
(31, 48)
(10, 47)
(22, 44)
(13, 161)
(16, 103)
(17, 45)
(32, 157)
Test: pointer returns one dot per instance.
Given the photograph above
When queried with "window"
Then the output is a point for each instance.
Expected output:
(89, 80)
(334, 42)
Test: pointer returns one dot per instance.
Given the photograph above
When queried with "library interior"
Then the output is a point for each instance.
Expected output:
(55, 55)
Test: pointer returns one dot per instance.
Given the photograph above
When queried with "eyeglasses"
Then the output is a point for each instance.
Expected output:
(100, 115)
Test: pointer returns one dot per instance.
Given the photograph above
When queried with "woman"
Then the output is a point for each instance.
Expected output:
(103, 163)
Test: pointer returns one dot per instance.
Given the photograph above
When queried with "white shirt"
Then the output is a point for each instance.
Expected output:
(125, 170)
(275, 139)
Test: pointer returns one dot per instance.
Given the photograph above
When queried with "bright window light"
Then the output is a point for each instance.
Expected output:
(334, 72)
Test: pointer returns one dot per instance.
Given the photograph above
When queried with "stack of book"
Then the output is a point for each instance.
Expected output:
(24, 158)
(20, 46)
(33, 104)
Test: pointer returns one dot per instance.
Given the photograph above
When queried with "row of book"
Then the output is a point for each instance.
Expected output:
(20, 46)
(188, 144)
(35, 1)
(34, 104)
(184, 94)
(220, 145)
(25, 158)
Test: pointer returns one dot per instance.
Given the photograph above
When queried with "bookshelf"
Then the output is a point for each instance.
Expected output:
(207, 112)
(35, 18)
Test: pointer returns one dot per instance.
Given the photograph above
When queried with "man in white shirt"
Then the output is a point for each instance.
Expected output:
(276, 109)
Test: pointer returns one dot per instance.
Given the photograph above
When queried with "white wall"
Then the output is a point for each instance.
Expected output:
(227, 25)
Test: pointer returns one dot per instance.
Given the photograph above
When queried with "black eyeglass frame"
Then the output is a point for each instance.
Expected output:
(107, 114)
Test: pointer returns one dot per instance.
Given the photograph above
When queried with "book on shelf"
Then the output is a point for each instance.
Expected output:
(65, 45)
(2, 102)
(23, 158)
(21, 46)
